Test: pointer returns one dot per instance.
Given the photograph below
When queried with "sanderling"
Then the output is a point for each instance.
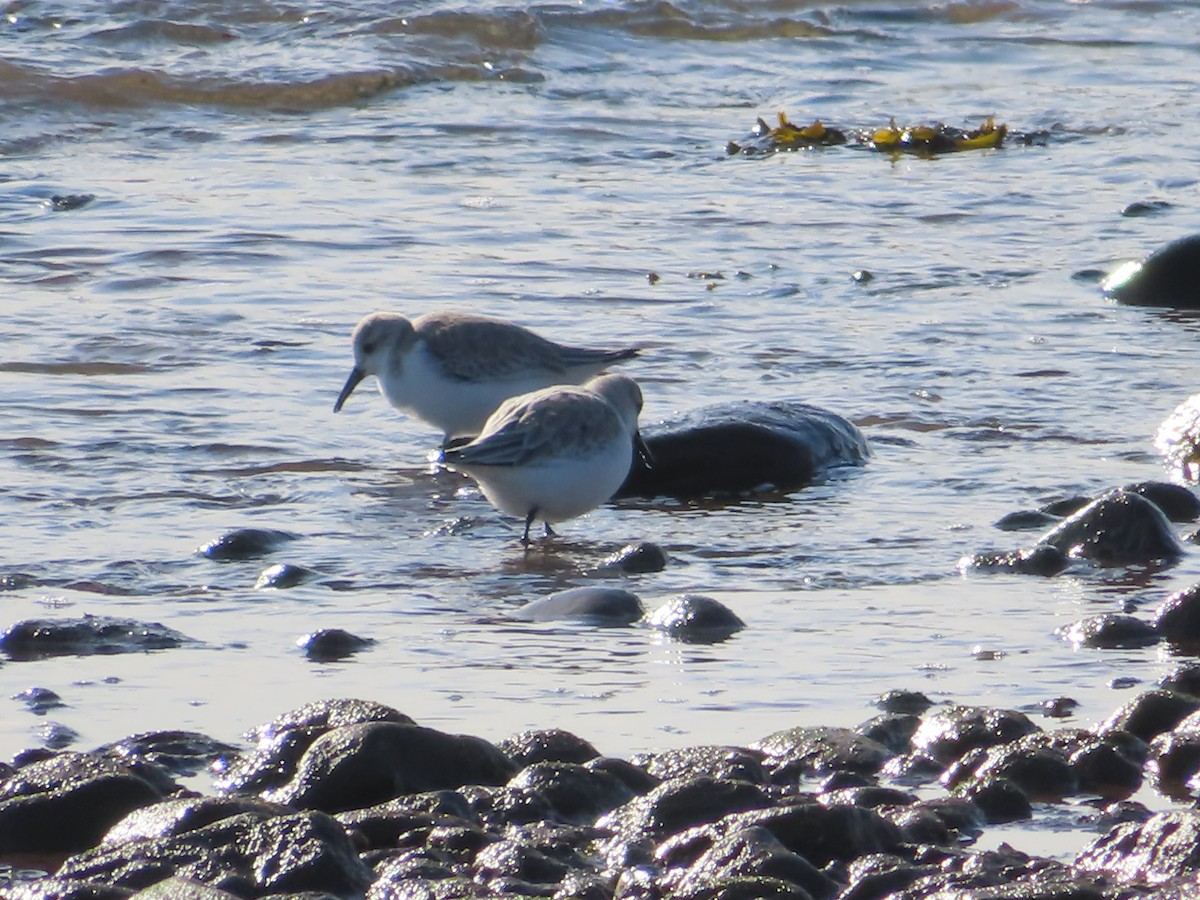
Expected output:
(556, 453)
(453, 369)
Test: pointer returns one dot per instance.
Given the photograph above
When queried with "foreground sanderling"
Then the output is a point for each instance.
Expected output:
(556, 453)
(453, 369)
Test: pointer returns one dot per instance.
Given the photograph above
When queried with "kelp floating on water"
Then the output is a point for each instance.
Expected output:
(924, 140)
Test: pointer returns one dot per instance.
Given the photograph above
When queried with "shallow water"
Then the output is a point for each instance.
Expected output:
(239, 183)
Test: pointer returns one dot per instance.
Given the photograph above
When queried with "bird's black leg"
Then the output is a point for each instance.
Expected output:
(528, 525)
(550, 532)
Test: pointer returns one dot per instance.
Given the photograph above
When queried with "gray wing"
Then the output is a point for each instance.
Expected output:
(541, 425)
(477, 348)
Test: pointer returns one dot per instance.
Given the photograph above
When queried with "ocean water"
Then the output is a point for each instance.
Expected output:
(199, 200)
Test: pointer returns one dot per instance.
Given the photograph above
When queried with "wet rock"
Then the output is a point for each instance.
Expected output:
(1183, 679)
(902, 701)
(1108, 631)
(751, 862)
(500, 808)
(385, 825)
(893, 730)
(66, 803)
(282, 742)
(670, 808)
(547, 745)
(1177, 502)
(1170, 276)
(1059, 707)
(959, 820)
(1178, 439)
(740, 447)
(282, 576)
(248, 855)
(1041, 559)
(39, 701)
(1109, 765)
(947, 734)
(822, 834)
(86, 636)
(1150, 713)
(696, 619)
(332, 644)
(1118, 529)
(577, 795)
(1164, 847)
(183, 753)
(245, 543)
(638, 779)
(1178, 618)
(637, 559)
(808, 750)
(734, 763)
(69, 202)
(171, 818)
(594, 605)
(1175, 758)
(1000, 799)
(1033, 764)
(70, 889)
(369, 763)
(1026, 520)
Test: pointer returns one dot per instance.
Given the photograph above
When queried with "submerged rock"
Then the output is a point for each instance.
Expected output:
(594, 605)
(696, 619)
(735, 448)
(1118, 529)
(1165, 847)
(86, 636)
(1178, 618)
(332, 644)
(1109, 631)
(1170, 276)
(245, 543)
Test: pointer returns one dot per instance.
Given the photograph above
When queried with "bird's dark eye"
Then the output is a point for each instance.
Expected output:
(369, 347)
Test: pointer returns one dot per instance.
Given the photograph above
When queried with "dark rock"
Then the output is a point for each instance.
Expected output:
(282, 576)
(806, 750)
(171, 818)
(245, 543)
(283, 741)
(696, 619)
(1177, 502)
(1118, 529)
(576, 794)
(385, 824)
(868, 797)
(1026, 520)
(1184, 679)
(1165, 846)
(1066, 506)
(960, 817)
(500, 808)
(740, 447)
(880, 875)
(547, 745)
(1178, 619)
(752, 853)
(670, 808)
(1150, 713)
(332, 644)
(595, 605)
(67, 802)
(1140, 208)
(637, 559)
(244, 854)
(1041, 559)
(85, 636)
(514, 859)
(893, 730)
(184, 753)
(1031, 764)
(1109, 765)
(1170, 276)
(1178, 439)
(369, 763)
(1108, 631)
(947, 734)
(1175, 757)
(823, 834)
(734, 763)
(327, 714)
(901, 701)
(638, 779)
(39, 700)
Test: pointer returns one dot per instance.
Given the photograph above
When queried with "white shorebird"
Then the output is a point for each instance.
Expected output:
(453, 369)
(556, 453)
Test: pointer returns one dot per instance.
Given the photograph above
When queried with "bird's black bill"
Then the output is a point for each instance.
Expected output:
(356, 377)
(643, 451)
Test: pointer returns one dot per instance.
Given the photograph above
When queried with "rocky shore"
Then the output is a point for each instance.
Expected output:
(351, 798)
